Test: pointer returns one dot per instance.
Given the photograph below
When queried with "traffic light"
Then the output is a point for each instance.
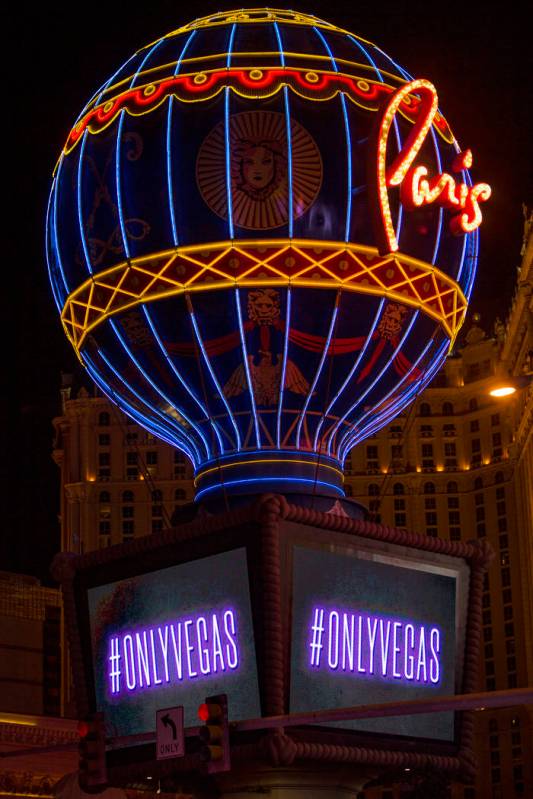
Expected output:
(215, 733)
(92, 771)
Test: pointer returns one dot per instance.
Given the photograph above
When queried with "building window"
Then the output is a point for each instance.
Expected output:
(157, 525)
(104, 527)
(509, 629)
(472, 405)
(429, 488)
(104, 419)
(398, 489)
(501, 508)
(474, 426)
(180, 494)
(450, 450)
(487, 617)
(487, 634)
(104, 440)
(447, 409)
(507, 596)
(490, 683)
(481, 531)
(506, 576)
(180, 465)
(453, 502)
(510, 646)
(480, 514)
(498, 477)
(452, 487)
(372, 463)
(448, 430)
(495, 419)
(425, 409)
(104, 496)
(489, 651)
(426, 431)
(432, 532)
(431, 519)
(151, 458)
(512, 681)
(400, 519)
(430, 503)
(373, 490)
(427, 456)
(128, 511)
(502, 524)
(348, 492)
(128, 528)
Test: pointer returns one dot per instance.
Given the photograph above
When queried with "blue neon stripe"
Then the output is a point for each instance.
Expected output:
(214, 378)
(404, 399)
(283, 367)
(168, 420)
(395, 124)
(349, 377)
(49, 253)
(280, 44)
(391, 410)
(119, 191)
(156, 388)
(376, 379)
(80, 207)
(288, 134)
(169, 147)
(227, 142)
(139, 69)
(183, 382)
(229, 197)
(247, 368)
(54, 227)
(348, 140)
(116, 399)
(99, 92)
(318, 372)
(269, 480)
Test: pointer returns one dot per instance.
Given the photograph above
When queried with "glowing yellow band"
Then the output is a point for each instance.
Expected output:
(267, 460)
(256, 262)
(151, 74)
(251, 16)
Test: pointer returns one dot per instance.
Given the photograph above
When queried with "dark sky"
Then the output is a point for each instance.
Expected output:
(58, 54)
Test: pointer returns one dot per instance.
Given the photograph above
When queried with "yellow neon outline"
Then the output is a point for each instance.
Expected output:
(171, 66)
(201, 475)
(240, 16)
(80, 304)
(248, 95)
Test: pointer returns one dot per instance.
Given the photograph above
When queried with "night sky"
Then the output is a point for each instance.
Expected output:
(478, 59)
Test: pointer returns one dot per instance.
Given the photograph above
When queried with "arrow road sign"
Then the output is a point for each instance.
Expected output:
(170, 733)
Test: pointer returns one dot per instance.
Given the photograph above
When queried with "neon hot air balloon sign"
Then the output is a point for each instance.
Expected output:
(264, 260)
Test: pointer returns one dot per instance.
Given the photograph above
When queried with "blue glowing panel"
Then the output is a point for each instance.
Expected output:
(173, 637)
(372, 630)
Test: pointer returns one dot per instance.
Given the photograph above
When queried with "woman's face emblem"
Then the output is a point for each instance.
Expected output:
(258, 167)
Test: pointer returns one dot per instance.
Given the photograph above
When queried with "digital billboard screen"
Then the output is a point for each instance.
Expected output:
(172, 637)
(374, 627)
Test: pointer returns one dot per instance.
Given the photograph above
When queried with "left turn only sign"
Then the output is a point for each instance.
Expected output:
(170, 733)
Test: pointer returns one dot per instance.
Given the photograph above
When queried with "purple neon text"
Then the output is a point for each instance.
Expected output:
(374, 646)
(171, 652)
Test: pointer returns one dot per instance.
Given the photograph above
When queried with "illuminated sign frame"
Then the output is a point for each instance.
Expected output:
(269, 530)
